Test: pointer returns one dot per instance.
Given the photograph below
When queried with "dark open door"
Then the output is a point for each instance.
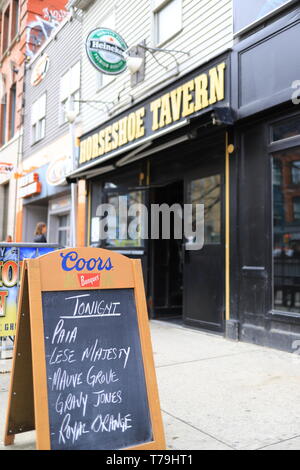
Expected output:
(204, 270)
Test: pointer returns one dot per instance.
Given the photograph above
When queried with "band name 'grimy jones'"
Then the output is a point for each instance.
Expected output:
(195, 95)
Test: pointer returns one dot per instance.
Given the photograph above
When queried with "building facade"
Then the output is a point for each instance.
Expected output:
(159, 136)
(265, 186)
(219, 127)
(52, 84)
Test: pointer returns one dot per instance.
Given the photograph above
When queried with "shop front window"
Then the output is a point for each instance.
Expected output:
(64, 230)
(120, 225)
(286, 222)
(285, 129)
(207, 191)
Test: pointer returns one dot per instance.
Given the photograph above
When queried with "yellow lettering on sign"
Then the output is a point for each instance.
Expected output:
(206, 89)
(95, 152)
(131, 127)
(102, 142)
(115, 136)
(217, 87)
(140, 128)
(165, 113)
(176, 100)
(155, 105)
(123, 131)
(108, 139)
(89, 148)
(188, 106)
(82, 152)
(201, 92)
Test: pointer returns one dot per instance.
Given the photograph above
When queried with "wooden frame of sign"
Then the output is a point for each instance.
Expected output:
(82, 270)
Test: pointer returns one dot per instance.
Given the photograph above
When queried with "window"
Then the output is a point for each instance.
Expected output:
(64, 230)
(12, 113)
(15, 18)
(285, 129)
(247, 12)
(286, 229)
(295, 171)
(207, 191)
(5, 29)
(167, 20)
(296, 209)
(114, 225)
(3, 119)
(102, 79)
(38, 119)
(70, 92)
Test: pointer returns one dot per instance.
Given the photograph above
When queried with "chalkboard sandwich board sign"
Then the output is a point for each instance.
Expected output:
(83, 373)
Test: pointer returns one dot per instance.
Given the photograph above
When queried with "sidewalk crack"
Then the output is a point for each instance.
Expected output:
(278, 442)
(197, 429)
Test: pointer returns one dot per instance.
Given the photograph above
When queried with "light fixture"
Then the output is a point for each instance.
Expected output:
(71, 115)
(134, 63)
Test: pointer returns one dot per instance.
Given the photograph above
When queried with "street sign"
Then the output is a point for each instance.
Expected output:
(105, 49)
(83, 373)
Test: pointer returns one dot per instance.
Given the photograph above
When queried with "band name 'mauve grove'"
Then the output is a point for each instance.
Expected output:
(195, 95)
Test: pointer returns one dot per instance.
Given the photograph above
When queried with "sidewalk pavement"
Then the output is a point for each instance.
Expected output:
(215, 394)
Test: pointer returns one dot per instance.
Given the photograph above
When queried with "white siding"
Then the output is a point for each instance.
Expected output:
(207, 32)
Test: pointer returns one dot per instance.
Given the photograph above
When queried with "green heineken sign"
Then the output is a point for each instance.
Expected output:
(106, 50)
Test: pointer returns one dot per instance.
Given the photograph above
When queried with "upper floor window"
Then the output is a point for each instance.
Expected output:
(248, 12)
(15, 18)
(9, 24)
(12, 110)
(167, 19)
(3, 118)
(70, 92)
(5, 29)
(38, 119)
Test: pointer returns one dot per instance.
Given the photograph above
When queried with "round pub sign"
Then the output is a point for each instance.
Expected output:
(105, 49)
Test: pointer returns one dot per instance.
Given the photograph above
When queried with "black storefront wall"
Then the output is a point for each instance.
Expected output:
(168, 173)
(264, 68)
(190, 147)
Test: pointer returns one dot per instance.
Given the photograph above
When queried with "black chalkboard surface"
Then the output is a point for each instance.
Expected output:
(97, 394)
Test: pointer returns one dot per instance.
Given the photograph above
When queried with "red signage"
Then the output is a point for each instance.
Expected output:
(30, 185)
(89, 280)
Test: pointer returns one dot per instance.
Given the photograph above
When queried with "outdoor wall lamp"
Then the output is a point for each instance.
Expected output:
(134, 63)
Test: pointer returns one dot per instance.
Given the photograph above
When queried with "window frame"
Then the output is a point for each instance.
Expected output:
(62, 120)
(273, 149)
(41, 121)
(5, 28)
(64, 228)
(3, 129)
(15, 19)
(12, 110)
(156, 9)
(260, 21)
